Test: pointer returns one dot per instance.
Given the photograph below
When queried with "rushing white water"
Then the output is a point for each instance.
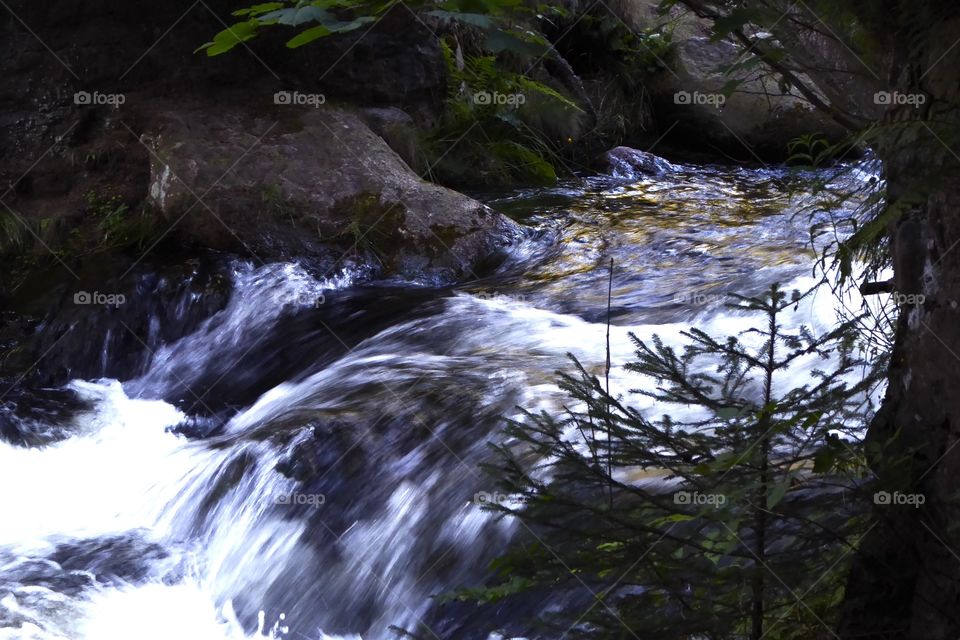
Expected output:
(219, 544)
(72, 489)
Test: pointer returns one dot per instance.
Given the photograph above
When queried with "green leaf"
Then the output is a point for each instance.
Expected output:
(730, 86)
(475, 19)
(259, 9)
(824, 460)
(499, 41)
(356, 23)
(515, 584)
(533, 87)
(480, 6)
(296, 17)
(524, 161)
(231, 37)
(675, 517)
(308, 36)
(324, 30)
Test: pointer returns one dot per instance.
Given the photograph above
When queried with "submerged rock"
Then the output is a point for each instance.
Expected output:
(630, 164)
(76, 565)
(38, 417)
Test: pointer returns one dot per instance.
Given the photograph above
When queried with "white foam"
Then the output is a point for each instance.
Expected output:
(109, 478)
(158, 612)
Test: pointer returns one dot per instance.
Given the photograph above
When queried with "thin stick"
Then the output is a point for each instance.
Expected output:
(607, 378)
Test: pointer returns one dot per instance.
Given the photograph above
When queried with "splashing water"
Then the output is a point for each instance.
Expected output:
(341, 494)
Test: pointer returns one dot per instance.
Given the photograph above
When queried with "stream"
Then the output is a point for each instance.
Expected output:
(305, 464)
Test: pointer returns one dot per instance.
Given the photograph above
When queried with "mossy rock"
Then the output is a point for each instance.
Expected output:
(302, 180)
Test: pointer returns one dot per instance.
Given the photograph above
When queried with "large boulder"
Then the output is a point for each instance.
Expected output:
(57, 48)
(300, 180)
(757, 120)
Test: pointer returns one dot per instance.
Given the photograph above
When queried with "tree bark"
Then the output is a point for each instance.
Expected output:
(906, 581)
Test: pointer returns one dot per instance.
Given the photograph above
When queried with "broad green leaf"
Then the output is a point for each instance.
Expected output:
(356, 23)
(259, 9)
(296, 17)
(480, 6)
(499, 41)
(475, 19)
(231, 37)
(308, 36)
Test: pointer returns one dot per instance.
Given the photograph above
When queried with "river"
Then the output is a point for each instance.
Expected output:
(306, 463)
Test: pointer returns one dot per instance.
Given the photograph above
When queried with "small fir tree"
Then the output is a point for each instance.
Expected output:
(737, 521)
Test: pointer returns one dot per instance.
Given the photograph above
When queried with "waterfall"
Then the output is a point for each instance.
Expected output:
(339, 487)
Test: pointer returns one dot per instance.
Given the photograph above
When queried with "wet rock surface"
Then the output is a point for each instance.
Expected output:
(301, 340)
(624, 163)
(102, 322)
(37, 417)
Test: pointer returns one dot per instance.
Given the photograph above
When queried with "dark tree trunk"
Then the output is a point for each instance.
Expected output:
(905, 583)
